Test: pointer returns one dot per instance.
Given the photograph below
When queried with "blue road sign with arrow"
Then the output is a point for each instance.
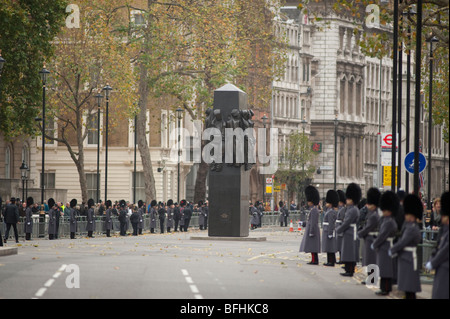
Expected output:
(409, 162)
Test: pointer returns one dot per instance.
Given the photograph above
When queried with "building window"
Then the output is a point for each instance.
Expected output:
(49, 180)
(92, 127)
(8, 163)
(26, 154)
(91, 180)
(50, 131)
(140, 186)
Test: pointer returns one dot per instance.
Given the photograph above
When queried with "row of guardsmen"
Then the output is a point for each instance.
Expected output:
(392, 250)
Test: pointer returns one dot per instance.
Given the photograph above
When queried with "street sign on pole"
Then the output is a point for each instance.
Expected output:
(387, 175)
(409, 162)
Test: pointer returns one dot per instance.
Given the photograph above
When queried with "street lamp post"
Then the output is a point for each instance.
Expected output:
(44, 75)
(336, 122)
(394, 97)
(179, 115)
(264, 121)
(24, 172)
(99, 98)
(430, 117)
(107, 90)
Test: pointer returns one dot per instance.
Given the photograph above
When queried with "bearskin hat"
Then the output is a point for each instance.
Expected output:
(170, 202)
(73, 203)
(332, 198)
(444, 204)
(280, 204)
(200, 203)
(153, 203)
(312, 195)
(353, 192)
(91, 202)
(30, 201)
(413, 205)
(389, 201)
(108, 203)
(373, 196)
(140, 203)
(51, 202)
(341, 194)
(122, 203)
(183, 203)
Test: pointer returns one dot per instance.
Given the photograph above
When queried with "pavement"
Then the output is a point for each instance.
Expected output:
(175, 266)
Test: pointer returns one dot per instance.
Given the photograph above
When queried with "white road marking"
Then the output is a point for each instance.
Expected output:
(193, 287)
(40, 292)
(49, 282)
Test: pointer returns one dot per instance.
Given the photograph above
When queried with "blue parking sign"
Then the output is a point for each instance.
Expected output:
(409, 162)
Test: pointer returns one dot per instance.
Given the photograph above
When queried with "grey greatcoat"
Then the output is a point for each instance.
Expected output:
(90, 222)
(141, 212)
(255, 216)
(328, 231)
(28, 228)
(368, 233)
(108, 219)
(201, 216)
(439, 261)
(311, 237)
(52, 221)
(339, 219)
(408, 277)
(170, 217)
(382, 243)
(153, 216)
(73, 220)
(348, 233)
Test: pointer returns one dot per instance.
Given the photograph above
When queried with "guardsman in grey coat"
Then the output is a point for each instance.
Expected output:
(170, 213)
(370, 229)
(141, 212)
(153, 216)
(311, 238)
(439, 259)
(348, 229)
(254, 221)
(51, 218)
(90, 222)
(123, 211)
(329, 227)
(389, 205)
(73, 218)
(408, 277)
(284, 214)
(201, 214)
(28, 227)
(339, 220)
(108, 219)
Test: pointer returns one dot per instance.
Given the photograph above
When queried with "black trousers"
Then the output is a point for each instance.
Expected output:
(108, 233)
(8, 227)
(349, 267)
(161, 225)
(135, 229)
(331, 258)
(90, 233)
(72, 235)
(176, 224)
(186, 224)
(123, 229)
(386, 284)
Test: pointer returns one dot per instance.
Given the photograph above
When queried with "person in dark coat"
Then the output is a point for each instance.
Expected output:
(11, 218)
(134, 219)
(206, 213)
(329, 227)
(439, 258)
(389, 205)
(28, 227)
(408, 277)
(176, 216)
(123, 211)
(254, 221)
(348, 229)
(73, 218)
(108, 220)
(370, 227)
(201, 214)
(141, 211)
(153, 214)
(284, 214)
(90, 222)
(187, 212)
(311, 237)
(260, 208)
(161, 216)
(339, 219)
(52, 218)
(170, 214)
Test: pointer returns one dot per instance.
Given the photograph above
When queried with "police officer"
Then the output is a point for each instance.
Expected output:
(284, 214)
(439, 258)
(339, 220)
(389, 205)
(170, 214)
(134, 219)
(348, 229)
(11, 218)
(187, 212)
(162, 216)
(73, 218)
(108, 219)
(176, 216)
(153, 215)
(28, 227)
(123, 211)
(329, 227)
(369, 230)
(311, 237)
(90, 222)
(141, 212)
(408, 276)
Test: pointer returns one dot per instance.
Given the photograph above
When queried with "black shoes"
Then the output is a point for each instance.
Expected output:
(347, 274)
(329, 264)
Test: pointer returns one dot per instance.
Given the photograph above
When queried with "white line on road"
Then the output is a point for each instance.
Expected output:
(193, 287)
(40, 292)
(49, 282)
